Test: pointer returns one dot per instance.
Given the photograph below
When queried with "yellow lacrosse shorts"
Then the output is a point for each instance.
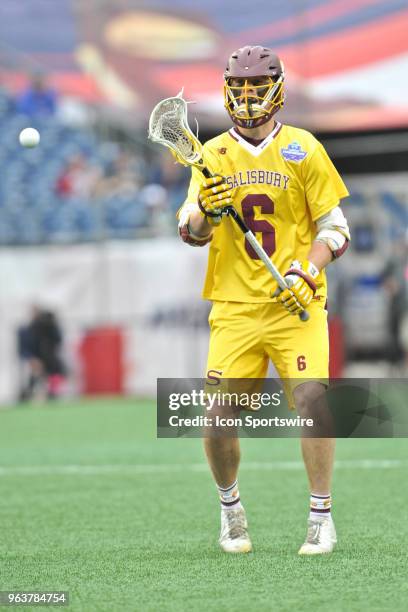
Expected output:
(245, 336)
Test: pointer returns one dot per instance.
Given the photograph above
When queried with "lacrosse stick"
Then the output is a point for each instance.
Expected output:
(169, 127)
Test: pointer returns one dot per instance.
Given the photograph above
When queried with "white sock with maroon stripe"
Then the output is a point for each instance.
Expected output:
(229, 496)
(320, 505)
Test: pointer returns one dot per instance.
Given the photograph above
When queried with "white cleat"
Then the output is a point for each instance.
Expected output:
(234, 536)
(321, 536)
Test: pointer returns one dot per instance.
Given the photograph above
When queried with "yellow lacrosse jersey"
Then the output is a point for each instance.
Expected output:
(280, 187)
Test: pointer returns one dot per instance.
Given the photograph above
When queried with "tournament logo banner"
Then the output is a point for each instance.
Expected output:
(293, 152)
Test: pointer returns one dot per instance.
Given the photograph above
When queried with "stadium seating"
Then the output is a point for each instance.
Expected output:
(31, 210)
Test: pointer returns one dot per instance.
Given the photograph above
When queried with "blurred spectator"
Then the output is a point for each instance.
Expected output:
(38, 100)
(155, 199)
(29, 374)
(168, 173)
(78, 179)
(395, 279)
(39, 347)
(122, 176)
(173, 177)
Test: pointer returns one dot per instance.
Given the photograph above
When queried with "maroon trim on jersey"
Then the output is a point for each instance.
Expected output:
(278, 130)
(253, 141)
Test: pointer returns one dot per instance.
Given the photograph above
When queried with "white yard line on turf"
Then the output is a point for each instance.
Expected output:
(85, 470)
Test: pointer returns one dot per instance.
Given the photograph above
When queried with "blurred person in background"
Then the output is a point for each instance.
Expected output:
(170, 174)
(395, 280)
(173, 177)
(38, 100)
(39, 346)
(79, 178)
(29, 371)
(123, 176)
(154, 198)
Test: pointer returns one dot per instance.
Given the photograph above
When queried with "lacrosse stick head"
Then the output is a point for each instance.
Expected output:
(168, 125)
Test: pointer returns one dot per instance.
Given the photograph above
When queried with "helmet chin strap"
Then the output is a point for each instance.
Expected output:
(256, 122)
(250, 123)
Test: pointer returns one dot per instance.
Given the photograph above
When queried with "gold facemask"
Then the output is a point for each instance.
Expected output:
(248, 101)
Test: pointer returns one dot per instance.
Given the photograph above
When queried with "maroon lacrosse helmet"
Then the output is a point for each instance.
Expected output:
(253, 86)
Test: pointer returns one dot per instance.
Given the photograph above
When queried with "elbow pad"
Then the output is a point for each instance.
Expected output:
(184, 229)
(333, 230)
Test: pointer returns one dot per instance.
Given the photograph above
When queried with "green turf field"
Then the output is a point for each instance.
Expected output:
(91, 502)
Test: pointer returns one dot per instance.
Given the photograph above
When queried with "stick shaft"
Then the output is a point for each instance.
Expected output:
(264, 257)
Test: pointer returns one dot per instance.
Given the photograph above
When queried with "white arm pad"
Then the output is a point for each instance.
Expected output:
(185, 212)
(333, 230)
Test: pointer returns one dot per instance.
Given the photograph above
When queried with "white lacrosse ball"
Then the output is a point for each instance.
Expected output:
(29, 137)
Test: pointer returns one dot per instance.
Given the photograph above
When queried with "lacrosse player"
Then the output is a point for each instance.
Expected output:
(281, 180)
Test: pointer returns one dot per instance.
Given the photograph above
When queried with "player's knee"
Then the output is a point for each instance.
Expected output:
(309, 398)
(222, 421)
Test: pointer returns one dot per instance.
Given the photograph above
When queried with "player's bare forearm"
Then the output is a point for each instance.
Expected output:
(199, 225)
(320, 255)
